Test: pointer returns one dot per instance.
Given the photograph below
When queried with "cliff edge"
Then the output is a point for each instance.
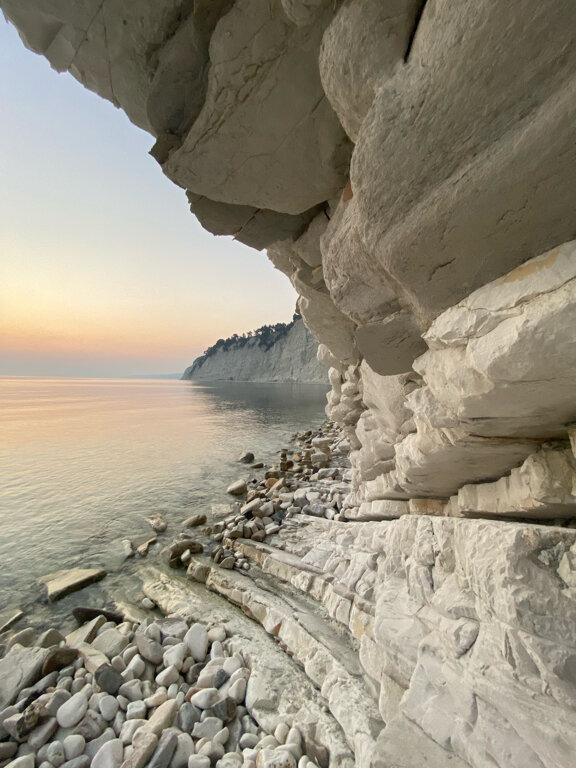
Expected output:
(285, 353)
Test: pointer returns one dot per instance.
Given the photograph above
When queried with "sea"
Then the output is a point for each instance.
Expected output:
(85, 462)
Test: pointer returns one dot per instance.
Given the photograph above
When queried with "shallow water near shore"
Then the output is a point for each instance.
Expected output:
(84, 462)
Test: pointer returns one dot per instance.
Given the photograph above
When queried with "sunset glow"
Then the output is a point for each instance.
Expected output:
(103, 270)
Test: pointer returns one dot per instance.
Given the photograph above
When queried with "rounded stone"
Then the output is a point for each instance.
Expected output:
(110, 755)
(73, 745)
(108, 706)
(72, 711)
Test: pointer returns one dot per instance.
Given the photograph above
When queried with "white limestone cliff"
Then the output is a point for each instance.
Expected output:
(411, 166)
(292, 358)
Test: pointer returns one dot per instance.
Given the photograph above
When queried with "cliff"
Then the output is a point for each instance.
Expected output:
(411, 166)
(292, 356)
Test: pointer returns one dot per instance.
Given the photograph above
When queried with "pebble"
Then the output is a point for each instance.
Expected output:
(129, 729)
(196, 638)
(188, 716)
(136, 711)
(43, 733)
(175, 656)
(73, 745)
(281, 732)
(91, 725)
(132, 690)
(72, 711)
(165, 749)
(108, 706)
(55, 753)
(110, 755)
(168, 676)
(195, 761)
(208, 728)
(83, 761)
(150, 649)
(93, 746)
(237, 690)
(248, 740)
(27, 761)
(205, 698)
(147, 604)
(163, 717)
(143, 746)
(184, 749)
(109, 679)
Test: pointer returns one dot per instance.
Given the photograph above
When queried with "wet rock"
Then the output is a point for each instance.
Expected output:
(246, 458)
(49, 638)
(238, 488)
(194, 520)
(157, 523)
(61, 583)
(83, 614)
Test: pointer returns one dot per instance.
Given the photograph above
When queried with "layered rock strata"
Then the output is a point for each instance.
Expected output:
(292, 358)
(411, 166)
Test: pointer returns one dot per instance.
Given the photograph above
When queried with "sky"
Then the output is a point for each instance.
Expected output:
(103, 269)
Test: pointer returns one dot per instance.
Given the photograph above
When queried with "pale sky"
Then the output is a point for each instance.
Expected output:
(103, 269)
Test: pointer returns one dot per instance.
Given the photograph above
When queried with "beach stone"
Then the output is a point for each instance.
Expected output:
(143, 746)
(147, 604)
(163, 717)
(195, 761)
(248, 740)
(194, 520)
(72, 711)
(82, 761)
(84, 613)
(238, 488)
(225, 709)
(93, 746)
(175, 656)
(208, 728)
(91, 725)
(109, 679)
(168, 676)
(173, 626)
(130, 727)
(55, 753)
(184, 749)
(213, 750)
(42, 733)
(111, 642)
(110, 755)
(26, 761)
(7, 750)
(275, 758)
(136, 710)
(86, 633)
(205, 698)
(57, 698)
(149, 649)
(108, 707)
(19, 669)
(132, 690)
(157, 698)
(237, 690)
(24, 637)
(73, 745)
(188, 715)
(165, 750)
(61, 583)
(196, 639)
(136, 667)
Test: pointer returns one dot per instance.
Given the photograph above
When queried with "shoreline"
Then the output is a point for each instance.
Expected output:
(310, 478)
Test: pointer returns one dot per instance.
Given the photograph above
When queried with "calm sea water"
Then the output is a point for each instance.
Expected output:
(83, 462)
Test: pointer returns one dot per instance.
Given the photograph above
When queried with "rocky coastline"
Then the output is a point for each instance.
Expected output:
(182, 687)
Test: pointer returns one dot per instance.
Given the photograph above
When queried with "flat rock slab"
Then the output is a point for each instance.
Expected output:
(61, 583)
(20, 668)
(8, 617)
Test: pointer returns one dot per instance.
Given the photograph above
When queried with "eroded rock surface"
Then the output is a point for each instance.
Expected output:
(411, 167)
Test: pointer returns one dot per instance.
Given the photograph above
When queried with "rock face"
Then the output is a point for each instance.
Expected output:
(292, 358)
(411, 167)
